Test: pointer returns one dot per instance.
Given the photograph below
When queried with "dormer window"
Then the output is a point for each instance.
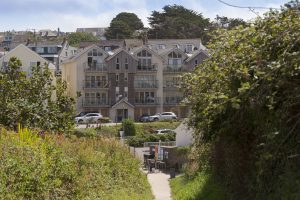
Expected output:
(176, 46)
(126, 63)
(189, 48)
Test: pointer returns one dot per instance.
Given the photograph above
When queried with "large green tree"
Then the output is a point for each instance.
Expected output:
(246, 104)
(33, 100)
(74, 39)
(229, 23)
(123, 26)
(176, 21)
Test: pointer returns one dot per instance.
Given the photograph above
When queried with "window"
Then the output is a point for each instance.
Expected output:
(176, 46)
(117, 77)
(126, 63)
(107, 48)
(39, 49)
(189, 48)
(117, 64)
(51, 49)
(125, 77)
(161, 46)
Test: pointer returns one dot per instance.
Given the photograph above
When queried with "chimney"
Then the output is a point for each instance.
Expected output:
(58, 32)
(28, 42)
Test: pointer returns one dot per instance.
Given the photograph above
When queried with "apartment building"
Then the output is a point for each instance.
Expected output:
(131, 81)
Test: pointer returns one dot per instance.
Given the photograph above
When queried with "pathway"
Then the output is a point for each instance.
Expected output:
(160, 185)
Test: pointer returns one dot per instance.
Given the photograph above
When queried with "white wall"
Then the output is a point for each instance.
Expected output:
(184, 135)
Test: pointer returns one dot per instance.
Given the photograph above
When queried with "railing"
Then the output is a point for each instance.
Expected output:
(175, 68)
(95, 102)
(146, 84)
(170, 143)
(147, 101)
(95, 67)
(172, 100)
(171, 84)
(95, 84)
(147, 68)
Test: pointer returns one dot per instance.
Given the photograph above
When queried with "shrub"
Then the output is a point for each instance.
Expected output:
(129, 127)
(105, 120)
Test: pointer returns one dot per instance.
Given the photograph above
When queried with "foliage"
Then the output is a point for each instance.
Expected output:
(56, 167)
(201, 187)
(123, 26)
(74, 39)
(33, 99)
(138, 141)
(245, 102)
(128, 127)
(229, 23)
(178, 22)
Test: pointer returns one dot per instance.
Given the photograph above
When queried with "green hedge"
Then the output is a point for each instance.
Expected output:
(138, 141)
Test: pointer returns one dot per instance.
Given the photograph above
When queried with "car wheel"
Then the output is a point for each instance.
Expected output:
(155, 119)
(80, 121)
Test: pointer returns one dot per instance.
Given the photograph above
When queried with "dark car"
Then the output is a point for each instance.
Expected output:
(145, 118)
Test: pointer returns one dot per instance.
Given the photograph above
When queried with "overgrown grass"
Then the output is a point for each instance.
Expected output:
(201, 187)
(56, 167)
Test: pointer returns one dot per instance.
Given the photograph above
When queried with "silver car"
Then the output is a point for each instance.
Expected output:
(89, 118)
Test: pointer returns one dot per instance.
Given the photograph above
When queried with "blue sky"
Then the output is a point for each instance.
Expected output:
(70, 14)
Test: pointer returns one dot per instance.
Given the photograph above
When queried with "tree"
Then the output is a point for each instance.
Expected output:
(74, 39)
(32, 100)
(229, 23)
(123, 26)
(178, 22)
(246, 105)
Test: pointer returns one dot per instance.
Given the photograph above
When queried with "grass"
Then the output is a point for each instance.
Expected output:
(34, 166)
(202, 187)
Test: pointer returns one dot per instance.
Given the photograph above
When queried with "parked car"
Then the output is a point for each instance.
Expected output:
(81, 114)
(89, 118)
(145, 118)
(163, 131)
(163, 116)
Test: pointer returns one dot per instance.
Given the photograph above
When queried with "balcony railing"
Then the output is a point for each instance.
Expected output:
(175, 68)
(147, 101)
(95, 67)
(95, 102)
(172, 100)
(146, 84)
(171, 84)
(95, 84)
(147, 68)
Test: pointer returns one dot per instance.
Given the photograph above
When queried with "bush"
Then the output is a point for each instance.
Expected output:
(129, 127)
(57, 167)
(105, 120)
(138, 141)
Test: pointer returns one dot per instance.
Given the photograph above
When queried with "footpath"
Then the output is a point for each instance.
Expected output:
(160, 185)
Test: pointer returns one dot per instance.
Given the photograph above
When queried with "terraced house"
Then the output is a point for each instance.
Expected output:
(132, 80)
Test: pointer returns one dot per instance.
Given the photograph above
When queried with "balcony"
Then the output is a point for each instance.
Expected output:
(147, 68)
(95, 67)
(94, 102)
(146, 84)
(147, 101)
(171, 84)
(95, 84)
(175, 68)
(172, 100)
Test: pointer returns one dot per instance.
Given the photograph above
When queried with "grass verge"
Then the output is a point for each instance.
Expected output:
(201, 187)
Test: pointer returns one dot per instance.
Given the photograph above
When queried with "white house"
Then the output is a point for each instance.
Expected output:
(184, 135)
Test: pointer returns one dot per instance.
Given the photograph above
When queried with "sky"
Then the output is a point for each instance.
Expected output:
(71, 14)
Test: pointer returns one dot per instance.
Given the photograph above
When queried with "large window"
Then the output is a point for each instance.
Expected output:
(39, 49)
(51, 49)
(144, 97)
(144, 62)
(174, 58)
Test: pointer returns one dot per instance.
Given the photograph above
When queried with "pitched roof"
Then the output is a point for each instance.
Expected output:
(195, 53)
(119, 50)
(140, 48)
(122, 101)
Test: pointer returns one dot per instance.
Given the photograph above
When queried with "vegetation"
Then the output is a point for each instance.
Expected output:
(245, 108)
(138, 141)
(128, 127)
(74, 39)
(178, 22)
(33, 100)
(229, 23)
(201, 187)
(123, 26)
(40, 166)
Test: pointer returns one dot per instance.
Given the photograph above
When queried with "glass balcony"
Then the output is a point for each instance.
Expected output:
(147, 68)
(95, 84)
(95, 102)
(147, 100)
(146, 84)
(95, 67)
(172, 100)
(175, 68)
